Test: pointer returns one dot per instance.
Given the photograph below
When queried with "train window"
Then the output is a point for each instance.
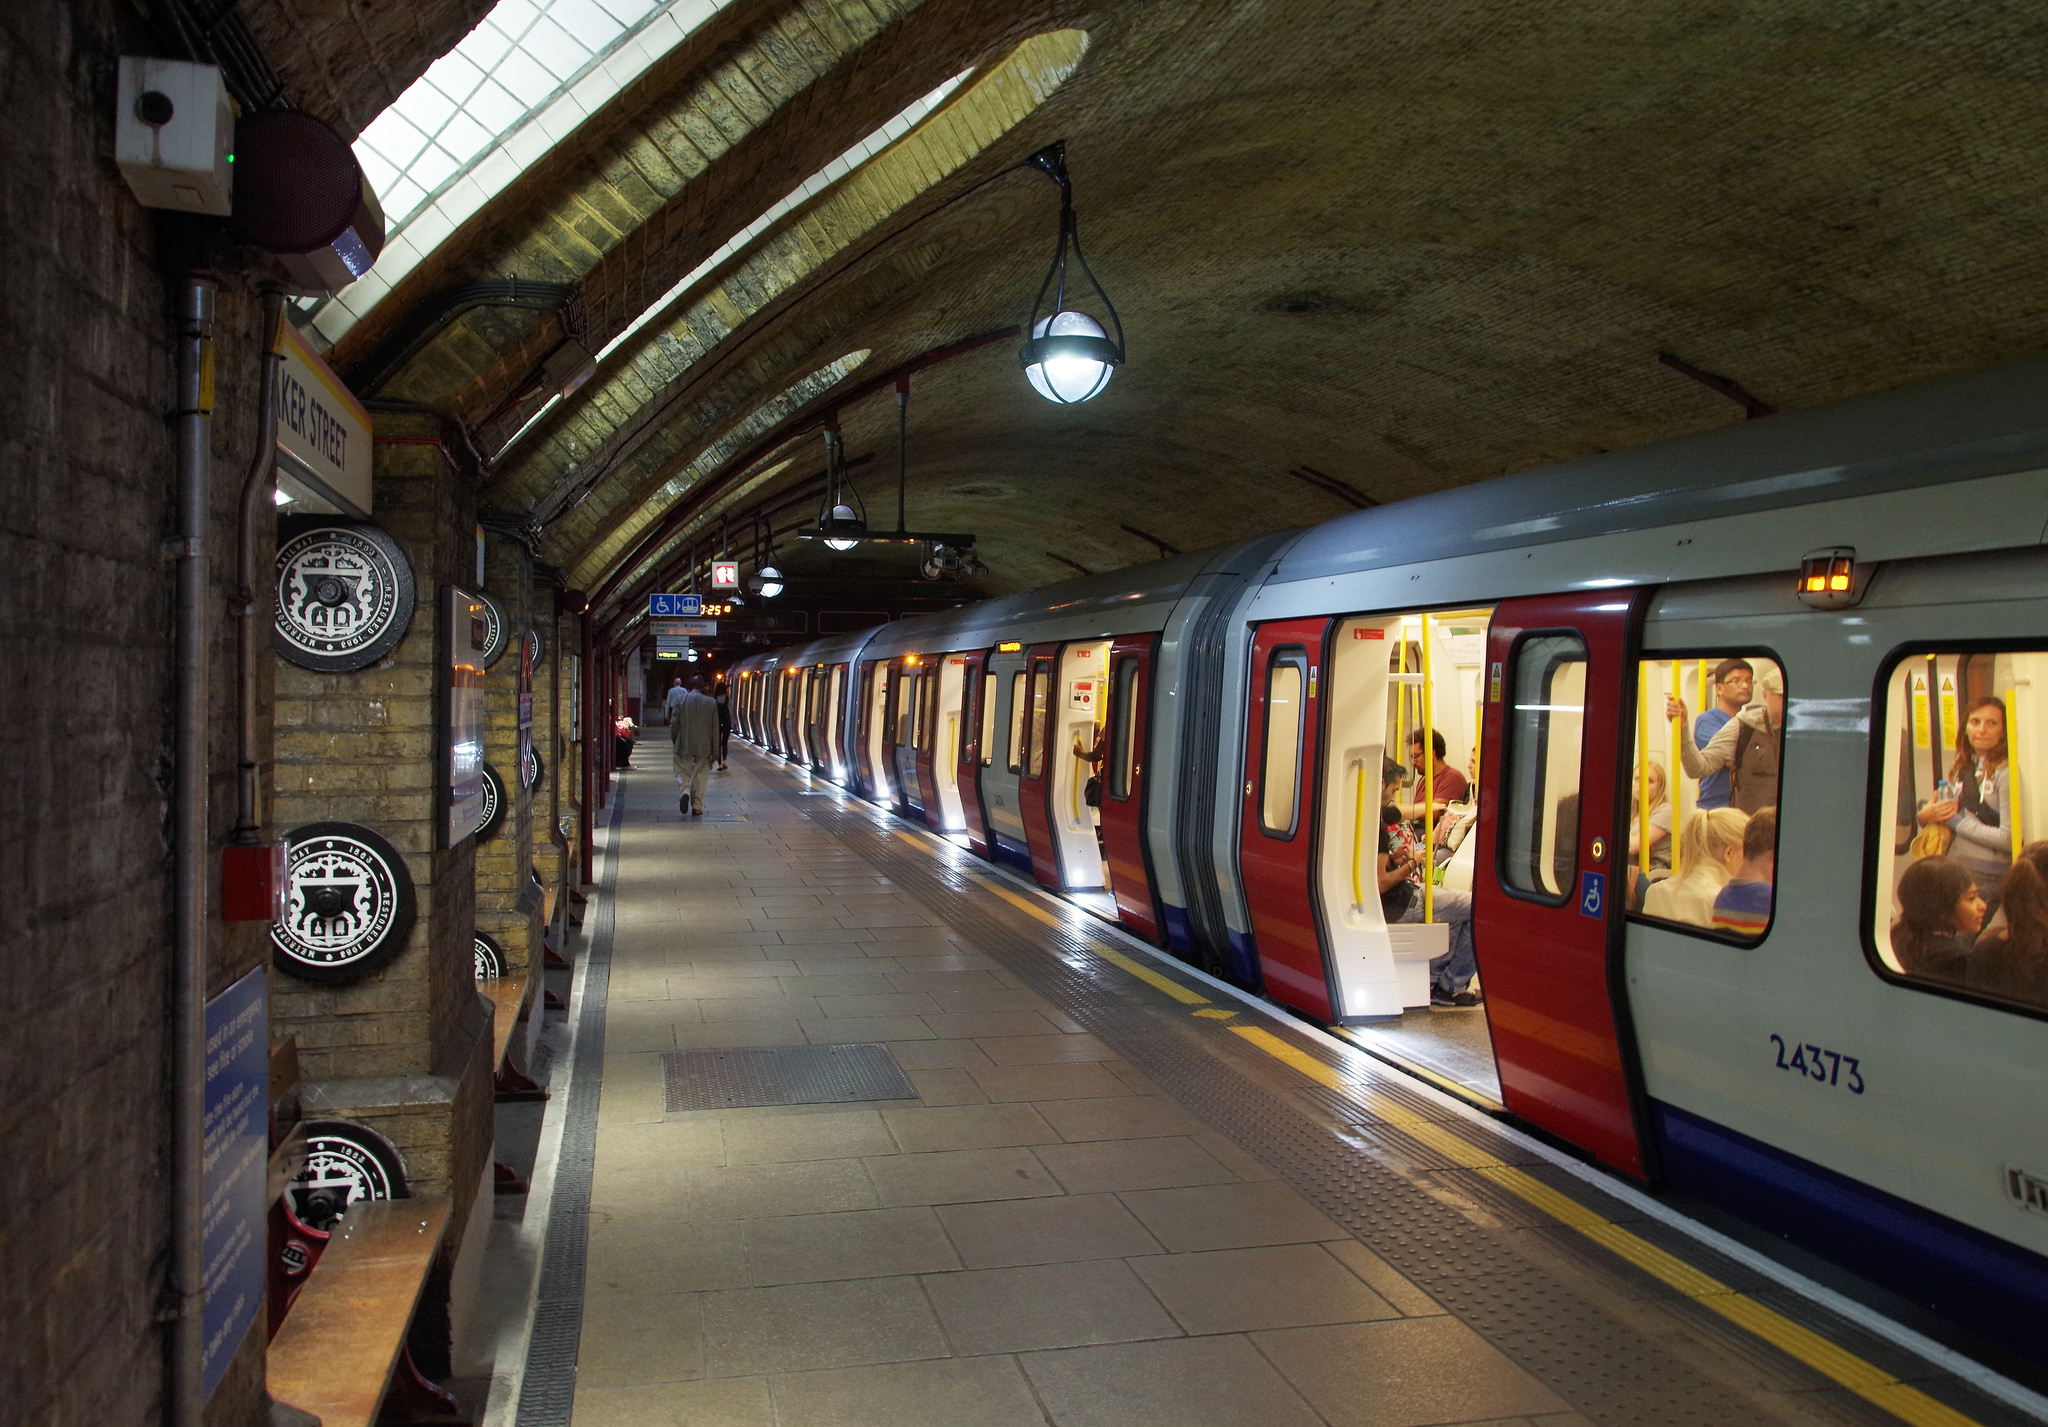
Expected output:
(1959, 895)
(1015, 760)
(988, 720)
(1280, 765)
(1709, 736)
(892, 709)
(928, 713)
(906, 710)
(1041, 687)
(1545, 728)
(1123, 726)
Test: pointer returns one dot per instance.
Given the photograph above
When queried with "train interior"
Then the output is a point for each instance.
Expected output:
(1388, 677)
(875, 721)
(1076, 827)
(944, 742)
(1937, 703)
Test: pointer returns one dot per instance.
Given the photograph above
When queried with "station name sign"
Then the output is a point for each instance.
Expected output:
(323, 432)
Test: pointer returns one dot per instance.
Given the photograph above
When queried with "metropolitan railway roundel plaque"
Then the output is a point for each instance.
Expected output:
(344, 598)
(494, 805)
(345, 1162)
(497, 633)
(350, 904)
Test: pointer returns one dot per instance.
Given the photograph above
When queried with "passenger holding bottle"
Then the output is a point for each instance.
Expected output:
(1973, 803)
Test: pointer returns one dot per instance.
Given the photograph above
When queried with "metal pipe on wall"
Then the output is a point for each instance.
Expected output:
(192, 421)
(587, 842)
(256, 486)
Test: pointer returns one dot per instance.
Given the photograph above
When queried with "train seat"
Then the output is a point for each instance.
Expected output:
(1415, 945)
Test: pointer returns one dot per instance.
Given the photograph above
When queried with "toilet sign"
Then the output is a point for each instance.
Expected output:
(725, 574)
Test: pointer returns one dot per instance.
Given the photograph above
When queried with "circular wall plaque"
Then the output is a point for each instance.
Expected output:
(345, 1162)
(533, 647)
(496, 631)
(350, 905)
(344, 598)
(494, 804)
(531, 769)
(490, 958)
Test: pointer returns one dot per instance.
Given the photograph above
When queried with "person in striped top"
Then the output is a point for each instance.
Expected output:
(1744, 905)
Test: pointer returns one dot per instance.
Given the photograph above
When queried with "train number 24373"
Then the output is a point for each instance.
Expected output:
(1827, 1066)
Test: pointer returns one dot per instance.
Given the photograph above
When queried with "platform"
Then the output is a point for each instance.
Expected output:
(1112, 1193)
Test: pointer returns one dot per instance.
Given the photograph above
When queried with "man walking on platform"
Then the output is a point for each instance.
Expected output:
(693, 739)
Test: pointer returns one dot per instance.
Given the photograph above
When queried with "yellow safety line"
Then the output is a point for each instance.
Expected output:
(1831, 1360)
(1115, 958)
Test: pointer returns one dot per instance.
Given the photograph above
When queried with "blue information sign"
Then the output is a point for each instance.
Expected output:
(237, 1162)
(675, 606)
(1592, 894)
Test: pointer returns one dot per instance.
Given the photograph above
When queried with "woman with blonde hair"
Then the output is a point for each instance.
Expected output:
(1660, 818)
(1709, 851)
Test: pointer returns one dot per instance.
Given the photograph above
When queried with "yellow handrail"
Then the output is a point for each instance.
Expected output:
(1643, 771)
(1428, 776)
(2012, 770)
(1674, 778)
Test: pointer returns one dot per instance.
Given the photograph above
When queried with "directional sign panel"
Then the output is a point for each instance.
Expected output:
(675, 606)
(684, 628)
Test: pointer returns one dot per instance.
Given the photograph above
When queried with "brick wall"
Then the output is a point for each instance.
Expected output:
(506, 905)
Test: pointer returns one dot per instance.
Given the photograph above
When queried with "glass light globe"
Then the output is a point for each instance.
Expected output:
(1068, 377)
(842, 515)
(771, 582)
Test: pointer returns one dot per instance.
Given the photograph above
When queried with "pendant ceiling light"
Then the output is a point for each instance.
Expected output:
(766, 581)
(1069, 356)
(841, 527)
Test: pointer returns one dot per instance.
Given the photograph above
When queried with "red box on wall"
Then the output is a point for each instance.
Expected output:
(253, 884)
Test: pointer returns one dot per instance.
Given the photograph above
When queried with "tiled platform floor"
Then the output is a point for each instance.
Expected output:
(1040, 1237)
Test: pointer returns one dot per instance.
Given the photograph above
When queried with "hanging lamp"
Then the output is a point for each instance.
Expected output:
(1069, 355)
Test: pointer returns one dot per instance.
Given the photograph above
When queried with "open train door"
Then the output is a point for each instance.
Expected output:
(1276, 839)
(977, 730)
(1548, 898)
(1123, 784)
(1034, 777)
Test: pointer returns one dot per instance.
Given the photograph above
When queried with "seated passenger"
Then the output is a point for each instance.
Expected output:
(1660, 820)
(1709, 851)
(1940, 915)
(2012, 960)
(1447, 784)
(1973, 804)
(1744, 905)
(1402, 867)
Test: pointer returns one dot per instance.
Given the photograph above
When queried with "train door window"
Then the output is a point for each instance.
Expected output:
(892, 708)
(906, 710)
(1280, 763)
(988, 720)
(1123, 727)
(1704, 782)
(1018, 706)
(1545, 736)
(1959, 892)
(928, 713)
(1041, 693)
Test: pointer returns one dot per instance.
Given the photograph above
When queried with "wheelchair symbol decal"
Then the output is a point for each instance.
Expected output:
(1592, 894)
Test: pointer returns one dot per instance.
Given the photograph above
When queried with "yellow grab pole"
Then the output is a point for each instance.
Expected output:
(2012, 770)
(1428, 778)
(1674, 777)
(1643, 771)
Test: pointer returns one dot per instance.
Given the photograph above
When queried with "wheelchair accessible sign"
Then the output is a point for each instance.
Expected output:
(1593, 894)
(675, 606)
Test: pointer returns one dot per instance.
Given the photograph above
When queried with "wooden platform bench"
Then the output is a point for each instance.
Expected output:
(340, 1353)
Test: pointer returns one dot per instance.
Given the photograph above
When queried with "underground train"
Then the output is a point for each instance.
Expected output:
(1196, 748)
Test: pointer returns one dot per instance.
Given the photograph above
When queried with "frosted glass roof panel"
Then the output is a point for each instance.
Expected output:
(425, 153)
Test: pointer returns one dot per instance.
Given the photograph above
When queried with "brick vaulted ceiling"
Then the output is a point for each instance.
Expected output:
(1403, 245)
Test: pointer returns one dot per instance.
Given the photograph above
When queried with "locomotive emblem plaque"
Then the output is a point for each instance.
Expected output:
(497, 633)
(490, 958)
(494, 805)
(350, 905)
(344, 598)
(345, 1162)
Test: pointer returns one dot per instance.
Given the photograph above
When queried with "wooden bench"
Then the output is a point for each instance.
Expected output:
(337, 1350)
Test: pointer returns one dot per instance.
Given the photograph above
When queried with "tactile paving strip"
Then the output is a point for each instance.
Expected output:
(1506, 1280)
(795, 1075)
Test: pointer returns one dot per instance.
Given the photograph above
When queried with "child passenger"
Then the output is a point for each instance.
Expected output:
(1708, 854)
(1940, 915)
(1744, 905)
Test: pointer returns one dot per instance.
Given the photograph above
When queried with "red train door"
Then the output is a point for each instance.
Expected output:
(1034, 778)
(1276, 836)
(925, 740)
(1548, 898)
(1123, 784)
(974, 711)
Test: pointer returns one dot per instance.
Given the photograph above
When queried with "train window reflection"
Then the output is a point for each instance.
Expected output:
(1960, 895)
(1015, 760)
(1280, 765)
(1123, 723)
(1703, 794)
(1545, 733)
(1041, 683)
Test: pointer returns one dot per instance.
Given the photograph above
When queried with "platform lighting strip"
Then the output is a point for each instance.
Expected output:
(519, 83)
(869, 146)
(1868, 1381)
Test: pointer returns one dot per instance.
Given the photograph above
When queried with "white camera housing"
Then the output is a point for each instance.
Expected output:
(174, 135)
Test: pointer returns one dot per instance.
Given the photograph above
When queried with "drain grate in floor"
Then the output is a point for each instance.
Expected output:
(797, 1075)
(721, 818)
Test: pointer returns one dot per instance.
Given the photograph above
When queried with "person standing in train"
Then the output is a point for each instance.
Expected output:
(1734, 681)
(1749, 746)
(1976, 812)
(693, 741)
